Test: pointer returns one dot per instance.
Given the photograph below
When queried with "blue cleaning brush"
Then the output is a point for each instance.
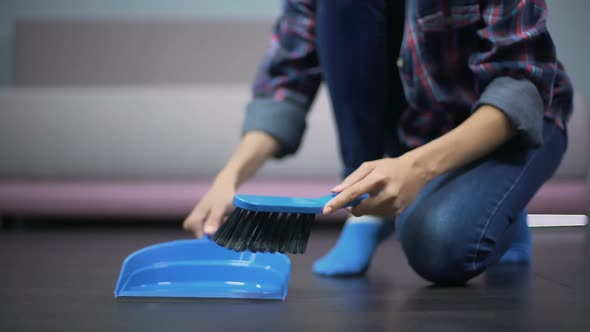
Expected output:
(272, 223)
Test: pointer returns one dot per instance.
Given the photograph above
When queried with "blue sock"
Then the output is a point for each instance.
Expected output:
(354, 250)
(520, 250)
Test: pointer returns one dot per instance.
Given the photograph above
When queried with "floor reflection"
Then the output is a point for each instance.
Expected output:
(509, 276)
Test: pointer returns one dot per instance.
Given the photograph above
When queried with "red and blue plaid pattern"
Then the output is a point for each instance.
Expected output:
(451, 51)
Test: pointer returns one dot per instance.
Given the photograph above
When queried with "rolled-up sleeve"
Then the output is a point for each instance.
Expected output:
(515, 66)
(287, 80)
(283, 120)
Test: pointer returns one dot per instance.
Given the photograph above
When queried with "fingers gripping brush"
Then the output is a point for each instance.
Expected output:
(272, 223)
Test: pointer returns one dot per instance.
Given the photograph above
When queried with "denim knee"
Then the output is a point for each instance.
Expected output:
(435, 245)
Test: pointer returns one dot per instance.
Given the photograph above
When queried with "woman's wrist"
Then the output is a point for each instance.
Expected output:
(228, 177)
(477, 136)
(424, 163)
(253, 151)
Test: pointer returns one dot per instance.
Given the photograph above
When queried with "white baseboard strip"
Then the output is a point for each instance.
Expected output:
(557, 220)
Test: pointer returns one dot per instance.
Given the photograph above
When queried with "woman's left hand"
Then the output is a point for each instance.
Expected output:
(392, 183)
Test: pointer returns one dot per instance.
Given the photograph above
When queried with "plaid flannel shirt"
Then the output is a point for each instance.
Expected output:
(456, 56)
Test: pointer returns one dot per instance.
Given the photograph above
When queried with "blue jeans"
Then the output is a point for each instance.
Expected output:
(464, 221)
(357, 44)
(461, 222)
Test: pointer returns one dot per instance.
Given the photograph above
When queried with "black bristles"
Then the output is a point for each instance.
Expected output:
(265, 235)
(310, 218)
(254, 244)
(287, 231)
(265, 231)
(225, 231)
(246, 234)
(273, 241)
(295, 235)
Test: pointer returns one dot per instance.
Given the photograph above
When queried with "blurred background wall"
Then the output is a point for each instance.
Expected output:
(568, 22)
(12, 10)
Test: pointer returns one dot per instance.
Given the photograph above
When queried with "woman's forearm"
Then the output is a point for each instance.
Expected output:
(254, 150)
(483, 132)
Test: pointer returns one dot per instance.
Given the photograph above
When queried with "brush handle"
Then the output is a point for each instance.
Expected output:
(287, 204)
(325, 199)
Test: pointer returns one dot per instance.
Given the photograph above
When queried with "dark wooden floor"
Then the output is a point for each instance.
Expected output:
(61, 278)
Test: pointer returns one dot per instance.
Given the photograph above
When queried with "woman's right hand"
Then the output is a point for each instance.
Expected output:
(209, 213)
(254, 149)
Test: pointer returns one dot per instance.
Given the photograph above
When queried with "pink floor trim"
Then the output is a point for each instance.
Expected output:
(176, 198)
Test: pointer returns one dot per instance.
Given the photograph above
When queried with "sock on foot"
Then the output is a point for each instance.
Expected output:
(520, 250)
(356, 245)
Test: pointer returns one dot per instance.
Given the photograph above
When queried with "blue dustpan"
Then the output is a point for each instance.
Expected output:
(200, 268)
